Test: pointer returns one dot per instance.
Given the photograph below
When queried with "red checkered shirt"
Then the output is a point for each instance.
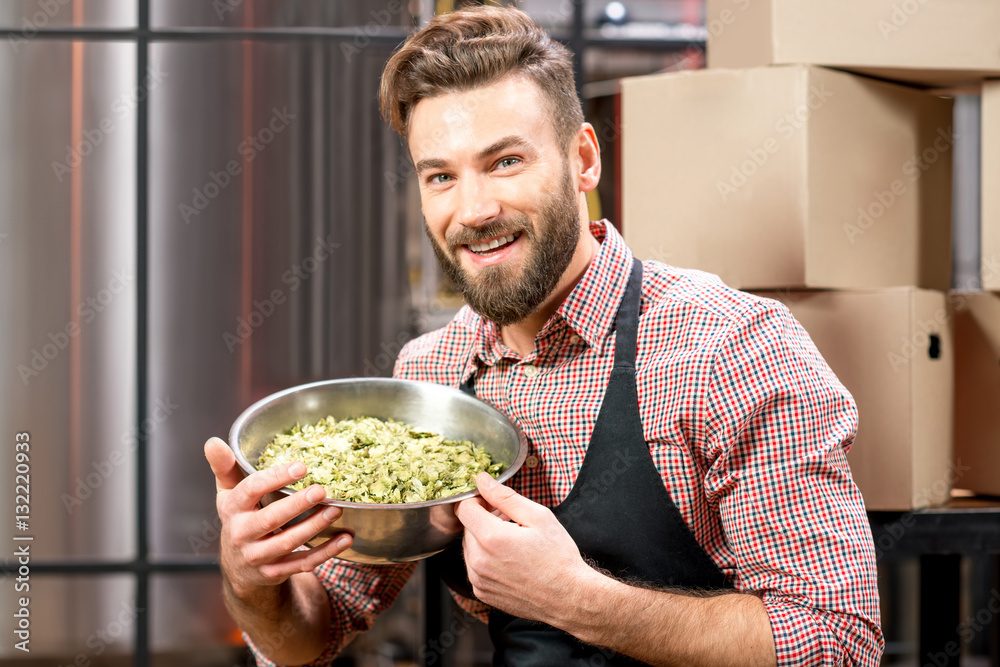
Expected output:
(745, 421)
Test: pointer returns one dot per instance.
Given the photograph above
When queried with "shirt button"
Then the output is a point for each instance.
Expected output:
(574, 339)
(530, 371)
(531, 461)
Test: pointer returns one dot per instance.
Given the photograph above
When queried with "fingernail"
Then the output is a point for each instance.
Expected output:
(331, 513)
(486, 479)
(297, 470)
(315, 494)
(344, 542)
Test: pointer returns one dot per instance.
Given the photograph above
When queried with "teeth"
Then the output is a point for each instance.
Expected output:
(490, 245)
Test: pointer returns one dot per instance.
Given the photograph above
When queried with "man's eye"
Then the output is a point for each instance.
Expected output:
(508, 162)
(439, 178)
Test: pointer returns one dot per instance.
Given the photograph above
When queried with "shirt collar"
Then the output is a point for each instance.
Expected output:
(589, 309)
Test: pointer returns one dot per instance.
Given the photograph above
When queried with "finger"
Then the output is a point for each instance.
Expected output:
(474, 516)
(510, 502)
(472, 551)
(278, 546)
(307, 559)
(223, 462)
(248, 493)
(280, 512)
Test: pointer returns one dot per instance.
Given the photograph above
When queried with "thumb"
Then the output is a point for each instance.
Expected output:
(223, 462)
(510, 502)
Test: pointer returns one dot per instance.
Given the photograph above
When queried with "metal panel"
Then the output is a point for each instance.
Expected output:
(373, 14)
(76, 620)
(275, 245)
(30, 16)
(67, 291)
(966, 205)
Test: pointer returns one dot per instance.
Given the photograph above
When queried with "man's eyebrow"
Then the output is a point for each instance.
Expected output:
(511, 141)
(431, 163)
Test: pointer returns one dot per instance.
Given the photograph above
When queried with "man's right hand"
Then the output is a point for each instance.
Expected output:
(253, 558)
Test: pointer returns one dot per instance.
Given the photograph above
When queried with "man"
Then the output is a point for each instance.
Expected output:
(687, 499)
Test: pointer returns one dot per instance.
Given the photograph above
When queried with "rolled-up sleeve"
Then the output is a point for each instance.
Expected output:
(356, 595)
(779, 428)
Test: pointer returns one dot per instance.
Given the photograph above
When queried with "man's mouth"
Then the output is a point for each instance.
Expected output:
(490, 247)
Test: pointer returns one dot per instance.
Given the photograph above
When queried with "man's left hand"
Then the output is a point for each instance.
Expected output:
(529, 566)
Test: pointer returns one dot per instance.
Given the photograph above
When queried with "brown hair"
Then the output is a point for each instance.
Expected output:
(474, 47)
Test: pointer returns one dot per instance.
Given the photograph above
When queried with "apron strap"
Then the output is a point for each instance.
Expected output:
(627, 320)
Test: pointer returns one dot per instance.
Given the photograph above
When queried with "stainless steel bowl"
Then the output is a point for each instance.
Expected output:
(395, 533)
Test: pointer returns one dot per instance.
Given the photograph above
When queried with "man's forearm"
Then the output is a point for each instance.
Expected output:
(663, 628)
(289, 623)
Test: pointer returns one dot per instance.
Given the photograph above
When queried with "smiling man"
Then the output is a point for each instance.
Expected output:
(687, 498)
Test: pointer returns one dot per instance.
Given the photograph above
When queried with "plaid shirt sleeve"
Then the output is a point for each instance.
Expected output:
(357, 594)
(778, 429)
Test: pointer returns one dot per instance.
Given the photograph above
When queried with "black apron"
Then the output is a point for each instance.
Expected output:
(619, 513)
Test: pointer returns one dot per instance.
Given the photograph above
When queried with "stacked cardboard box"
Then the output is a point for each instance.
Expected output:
(832, 187)
(789, 177)
(892, 349)
(929, 42)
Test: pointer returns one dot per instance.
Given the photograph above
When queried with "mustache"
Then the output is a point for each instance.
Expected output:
(502, 227)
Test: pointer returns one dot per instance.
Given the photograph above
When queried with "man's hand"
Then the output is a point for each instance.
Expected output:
(252, 558)
(528, 567)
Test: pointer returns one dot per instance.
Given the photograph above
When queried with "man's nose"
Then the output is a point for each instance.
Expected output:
(476, 201)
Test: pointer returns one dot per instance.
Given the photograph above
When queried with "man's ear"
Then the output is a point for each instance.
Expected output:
(588, 154)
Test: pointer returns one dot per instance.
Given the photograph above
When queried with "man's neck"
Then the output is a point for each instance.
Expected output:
(520, 337)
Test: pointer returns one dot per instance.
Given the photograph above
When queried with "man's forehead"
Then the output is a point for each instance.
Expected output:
(472, 120)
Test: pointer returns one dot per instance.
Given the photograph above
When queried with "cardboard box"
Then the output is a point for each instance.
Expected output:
(892, 349)
(792, 176)
(927, 42)
(990, 192)
(977, 391)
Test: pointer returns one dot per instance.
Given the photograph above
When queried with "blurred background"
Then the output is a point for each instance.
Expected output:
(200, 205)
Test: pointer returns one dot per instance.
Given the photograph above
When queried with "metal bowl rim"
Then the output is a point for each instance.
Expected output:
(522, 450)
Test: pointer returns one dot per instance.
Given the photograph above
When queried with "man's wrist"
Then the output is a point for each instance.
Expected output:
(585, 617)
(257, 598)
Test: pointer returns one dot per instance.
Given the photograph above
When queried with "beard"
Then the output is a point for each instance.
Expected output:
(506, 294)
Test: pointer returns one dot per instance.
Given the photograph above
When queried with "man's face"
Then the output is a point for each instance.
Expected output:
(500, 205)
